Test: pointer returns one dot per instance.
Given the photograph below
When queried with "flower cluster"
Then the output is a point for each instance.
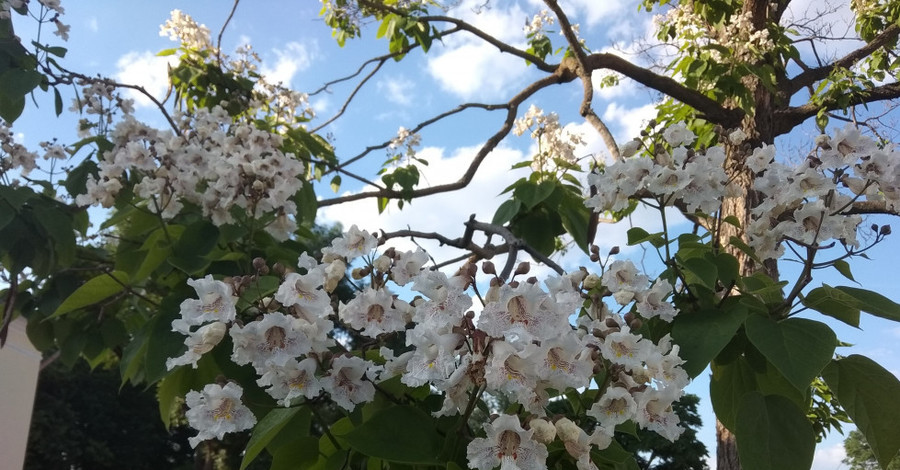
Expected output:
(522, 344)
(534, 29)
(554, 142)
(181, 27)
(16, 157)
(212, 162)
(746, 42)
(805, 204)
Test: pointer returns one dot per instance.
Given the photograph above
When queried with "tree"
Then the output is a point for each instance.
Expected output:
(220, 202)
(860, 455)
(75, 424)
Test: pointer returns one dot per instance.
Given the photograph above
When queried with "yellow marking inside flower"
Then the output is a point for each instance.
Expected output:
(225, 410)
(616, 407)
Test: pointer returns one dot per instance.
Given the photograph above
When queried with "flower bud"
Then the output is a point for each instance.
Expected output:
(885, 230)
(488, 267)
(523, 268)
(259, 264)
(544, 432)
(614, 250)
(382, 263)
(591, 281)
(567, 430)
(279, 269)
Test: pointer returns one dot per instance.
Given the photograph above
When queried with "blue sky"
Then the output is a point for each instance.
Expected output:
(120, 39)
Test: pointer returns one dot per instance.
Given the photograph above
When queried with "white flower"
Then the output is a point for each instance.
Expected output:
(652, 303)
(294, 379)
(199, 342)
(372, 312)
(656, 414)
(624, 348)
(678, 134)
(507, 445)
(615, 407)
(215, 304)
(525, 312)
(217, 410)
(272, 341)
(305, 291)
(345, 383)
(737, 137)
(353, 243)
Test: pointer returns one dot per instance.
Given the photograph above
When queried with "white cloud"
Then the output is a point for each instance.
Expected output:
(829, 457)
(594, 12)
(147, 70)
(627, 123)
(293, 58)
(397, 90)
(475, 70)
(92, 24)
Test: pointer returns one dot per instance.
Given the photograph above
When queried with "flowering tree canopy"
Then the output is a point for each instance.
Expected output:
(187, 253)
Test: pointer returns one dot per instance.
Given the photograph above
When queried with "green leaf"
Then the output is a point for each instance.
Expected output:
(873, 303)
(265, 430)
(703, 334)
(637, 235)
(11, 108)
(729, 383)
(797, 347)
(57, 101)
(773, 434)
(299, 454)
(19, 82)
(93, 291)
(336, 183)
(869, 394)
(843, 267)
(506, 211)
(398, 434)
(531, 194)
(834, 303)
(700, 271)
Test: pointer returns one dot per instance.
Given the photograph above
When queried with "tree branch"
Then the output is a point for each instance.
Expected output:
(586, 110)
(787, 119)
(708, 108)
(460, 24)
(489, 145)
(809, 77)
(871, 207)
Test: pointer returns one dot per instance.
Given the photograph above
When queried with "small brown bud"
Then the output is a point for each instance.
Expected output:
(612, 323)
(523, 268)
(488, 267)
(495, 281)
(874, 227)
(279, 269)
(885, 230)
(636, 324)
(532, 280)
(513, 284)
(629, 317)
(391, 253)
(595, 257)
(259, 264)
(614, 250)
(595, 250)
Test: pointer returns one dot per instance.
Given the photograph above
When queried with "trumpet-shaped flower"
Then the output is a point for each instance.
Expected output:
(506, 445)
(217, 410)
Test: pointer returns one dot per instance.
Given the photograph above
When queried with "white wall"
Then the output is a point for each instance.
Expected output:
(19, 365)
